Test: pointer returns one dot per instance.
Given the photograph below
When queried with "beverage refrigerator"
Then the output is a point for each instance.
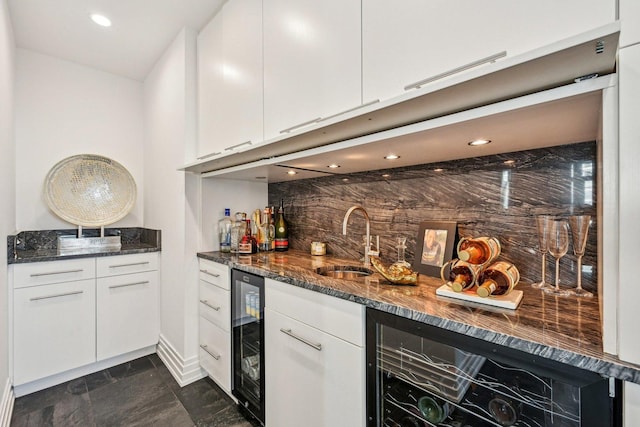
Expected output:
(247, 325)
(419, 375)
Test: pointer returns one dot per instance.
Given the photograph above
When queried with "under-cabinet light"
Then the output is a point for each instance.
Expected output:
(101, 20)
(333, 166)
(477, 142)
(391, 157)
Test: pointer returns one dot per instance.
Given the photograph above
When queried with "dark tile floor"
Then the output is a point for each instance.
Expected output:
(138, 393)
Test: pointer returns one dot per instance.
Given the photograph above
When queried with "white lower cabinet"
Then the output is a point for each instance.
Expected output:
(53, 329)
(215, 322)
(70, 314)
(313, 378)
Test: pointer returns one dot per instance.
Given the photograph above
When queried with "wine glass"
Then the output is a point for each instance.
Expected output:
(579, 230)
(558, 247)
(542, 225)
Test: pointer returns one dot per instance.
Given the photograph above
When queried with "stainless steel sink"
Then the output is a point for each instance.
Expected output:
(348, 272)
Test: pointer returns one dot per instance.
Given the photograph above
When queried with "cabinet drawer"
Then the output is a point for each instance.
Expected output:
(54, 329)
(123, 301)
(42, 273)
(306, 365)
(214, 304)
(215, 273)
(125, 264)
(215, 353)
(341, 318)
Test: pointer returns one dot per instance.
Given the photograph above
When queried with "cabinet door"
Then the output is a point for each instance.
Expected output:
(630, 18)
(407, 41)
(210, 87)
(311, 61)
(230, 79)
(54, 329)
(127, 313)
(311, 386)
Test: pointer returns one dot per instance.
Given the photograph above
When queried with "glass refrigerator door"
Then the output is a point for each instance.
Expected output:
(248, 358)
(423, 380)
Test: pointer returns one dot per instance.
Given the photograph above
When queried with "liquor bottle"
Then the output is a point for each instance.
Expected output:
(282, 230)
(248, 244)
(224, 230)
(462, 275)
(479, 251)
(238, 230)
(498, 279)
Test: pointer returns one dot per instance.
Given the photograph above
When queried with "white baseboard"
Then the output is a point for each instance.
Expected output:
(41, 384)
(6, 405)
(185, 371)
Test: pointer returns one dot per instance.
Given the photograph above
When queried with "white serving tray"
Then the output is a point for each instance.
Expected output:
(510, 301)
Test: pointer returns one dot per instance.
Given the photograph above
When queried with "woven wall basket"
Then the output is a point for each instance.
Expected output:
(89, 190)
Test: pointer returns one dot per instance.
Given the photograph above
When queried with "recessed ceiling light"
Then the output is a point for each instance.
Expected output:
(101, 20)
(438, 170)
(333, 166)
(392, 157)
(509, 162)
(291, 172)
(386, 175)
(479, 142)
(345, 179)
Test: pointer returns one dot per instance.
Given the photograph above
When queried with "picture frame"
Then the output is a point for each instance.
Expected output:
(434, 246)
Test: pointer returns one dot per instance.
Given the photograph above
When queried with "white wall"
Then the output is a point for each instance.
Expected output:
(64, 109)
(171, 200)
(7, 178)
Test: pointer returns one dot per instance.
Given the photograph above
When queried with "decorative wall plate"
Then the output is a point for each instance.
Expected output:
(90, 190)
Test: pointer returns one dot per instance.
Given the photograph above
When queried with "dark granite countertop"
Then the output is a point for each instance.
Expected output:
(41, 245)
(563, 329)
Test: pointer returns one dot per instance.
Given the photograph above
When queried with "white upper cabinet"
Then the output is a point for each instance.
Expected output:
(312, 62)
(630, 18)
(230, 79)
(407, 41)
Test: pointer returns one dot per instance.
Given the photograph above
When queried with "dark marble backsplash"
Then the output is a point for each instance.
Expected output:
(484, 196)
(48, 239)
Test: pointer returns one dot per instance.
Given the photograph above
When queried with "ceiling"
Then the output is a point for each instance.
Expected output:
(141, 31)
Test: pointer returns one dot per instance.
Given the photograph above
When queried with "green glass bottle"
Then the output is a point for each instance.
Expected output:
(282, 230)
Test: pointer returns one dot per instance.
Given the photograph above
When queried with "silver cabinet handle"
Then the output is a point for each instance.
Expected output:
(129, 265)
(210, 273)
(129, 284)
(233, 147)
(357, 107)
(205, 302)
(215, 356)
(309, 122)
(56, 295)
(316, 346)
(56, 272)
(456, 70)
(206, 156)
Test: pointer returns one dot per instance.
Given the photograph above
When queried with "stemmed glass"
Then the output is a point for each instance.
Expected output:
(542, 225)
(558, 247)
(579, 230)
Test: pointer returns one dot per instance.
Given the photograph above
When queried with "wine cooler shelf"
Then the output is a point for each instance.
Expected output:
(422, 381)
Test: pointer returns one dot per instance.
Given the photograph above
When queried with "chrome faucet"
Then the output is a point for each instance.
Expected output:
(367, 244)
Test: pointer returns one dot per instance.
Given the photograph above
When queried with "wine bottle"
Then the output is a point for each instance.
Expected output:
(479, 250)
(433, 409)
(462, 275)
(224, 231)
(498, 279)
(504, 410)
(282, 230)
